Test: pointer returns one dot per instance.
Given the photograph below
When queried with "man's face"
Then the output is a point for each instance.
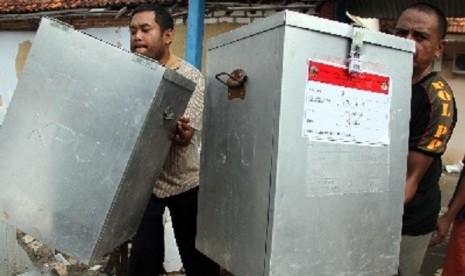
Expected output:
(146, 36)
(422, 28)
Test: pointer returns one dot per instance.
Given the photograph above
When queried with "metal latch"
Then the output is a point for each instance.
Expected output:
(355, 65)
(235, 83)
(168, 114)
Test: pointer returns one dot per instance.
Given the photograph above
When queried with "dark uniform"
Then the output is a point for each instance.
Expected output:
(432, 120)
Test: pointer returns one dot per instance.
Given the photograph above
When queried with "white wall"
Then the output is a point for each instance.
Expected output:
(12, 50)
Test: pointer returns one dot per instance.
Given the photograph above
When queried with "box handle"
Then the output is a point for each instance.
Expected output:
(235, 83)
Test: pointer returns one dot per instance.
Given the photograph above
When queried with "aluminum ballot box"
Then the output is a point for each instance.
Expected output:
(84, 139)
(304, 148)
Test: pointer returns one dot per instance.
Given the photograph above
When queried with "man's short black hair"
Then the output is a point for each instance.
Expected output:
(430, 8)
(162, 16)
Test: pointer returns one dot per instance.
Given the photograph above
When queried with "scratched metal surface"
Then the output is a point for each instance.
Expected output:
(83, 141)
(275, 202)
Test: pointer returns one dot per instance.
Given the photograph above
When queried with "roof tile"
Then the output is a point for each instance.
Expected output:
(29, 6)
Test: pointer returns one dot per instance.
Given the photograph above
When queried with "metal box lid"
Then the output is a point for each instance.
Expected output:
(85, 137)
(301, 21)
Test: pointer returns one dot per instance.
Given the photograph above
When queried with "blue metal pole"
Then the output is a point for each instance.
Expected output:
(195, 24)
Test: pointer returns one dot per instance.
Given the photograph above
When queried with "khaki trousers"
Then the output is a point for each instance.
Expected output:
(412, 252)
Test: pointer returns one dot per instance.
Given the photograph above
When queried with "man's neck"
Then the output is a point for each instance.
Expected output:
(164, 59)
(418, 76)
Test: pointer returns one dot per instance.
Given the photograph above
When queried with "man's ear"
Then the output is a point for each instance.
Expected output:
(440, 48)
(168, 36)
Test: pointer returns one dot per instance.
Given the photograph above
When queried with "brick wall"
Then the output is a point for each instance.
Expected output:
(25, 25)
(238, 17)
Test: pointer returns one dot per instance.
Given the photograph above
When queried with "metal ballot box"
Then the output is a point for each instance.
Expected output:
(84, 139)
(304, 148)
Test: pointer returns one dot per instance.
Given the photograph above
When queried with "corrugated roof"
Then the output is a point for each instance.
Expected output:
(391, 9)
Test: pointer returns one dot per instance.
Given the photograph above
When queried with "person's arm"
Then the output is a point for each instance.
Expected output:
(417, 165)
(444, 222)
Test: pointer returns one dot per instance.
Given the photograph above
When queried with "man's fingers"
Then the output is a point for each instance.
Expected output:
(437, 239)
(185, 129)
(185, 120)
(184, 132)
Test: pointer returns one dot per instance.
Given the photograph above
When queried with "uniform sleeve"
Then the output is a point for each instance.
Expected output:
(431, 121)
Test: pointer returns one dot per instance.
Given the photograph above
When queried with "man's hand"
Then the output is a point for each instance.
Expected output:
(442, 228)
(455, 205)
(184, 132)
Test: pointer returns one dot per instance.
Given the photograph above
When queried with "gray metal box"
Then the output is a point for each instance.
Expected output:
(306, 174)
(85, 137)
